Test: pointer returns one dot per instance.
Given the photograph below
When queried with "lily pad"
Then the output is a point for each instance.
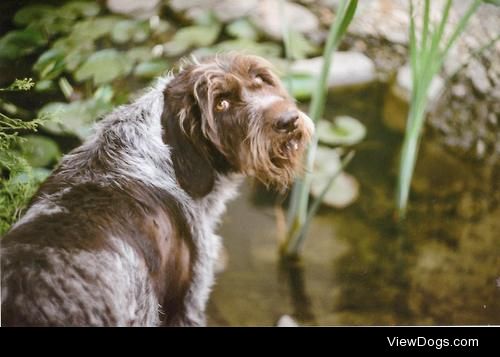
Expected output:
(242, 28)
(343, 191)
(40, 151)
(130, 31)
(50, 64)
(326, 161)
(192, 36)
(151, 69)
(300, 86)
(344, 130)
(104, 66)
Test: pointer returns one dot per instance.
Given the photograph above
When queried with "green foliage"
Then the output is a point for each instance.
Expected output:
(298, 218)
(20, 43)
(104, 66)
(191, 37)
(18, 180)
(242, 28)
(77, 117)
(426, 59)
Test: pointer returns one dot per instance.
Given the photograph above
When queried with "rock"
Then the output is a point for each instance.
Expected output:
(459, 90)
(479, 77)
(348, 69)
(229, 10)
(383, 19)
(183, 5)
(268, 17)
(138, 9)
(225, 10)
(402, 87)
(286, 321)
(383, 26)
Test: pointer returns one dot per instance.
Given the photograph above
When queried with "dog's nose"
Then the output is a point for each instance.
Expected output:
(287, 121)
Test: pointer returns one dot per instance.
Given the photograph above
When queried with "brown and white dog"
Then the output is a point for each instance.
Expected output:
(123, 231)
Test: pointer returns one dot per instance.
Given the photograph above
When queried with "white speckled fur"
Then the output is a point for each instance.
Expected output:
(146, 158)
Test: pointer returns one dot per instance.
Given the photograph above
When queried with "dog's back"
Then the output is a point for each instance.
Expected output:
(96, 243)
(126, 224)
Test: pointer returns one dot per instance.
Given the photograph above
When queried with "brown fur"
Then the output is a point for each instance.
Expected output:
(115, 247)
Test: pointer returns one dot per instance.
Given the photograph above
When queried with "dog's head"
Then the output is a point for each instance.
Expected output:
(232, 113)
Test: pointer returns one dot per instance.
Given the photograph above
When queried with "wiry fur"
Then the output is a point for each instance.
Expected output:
(123, 232)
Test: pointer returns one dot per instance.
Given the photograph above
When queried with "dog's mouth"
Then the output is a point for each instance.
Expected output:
(292, 144)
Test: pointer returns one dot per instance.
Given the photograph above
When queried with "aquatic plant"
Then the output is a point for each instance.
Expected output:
(427, 55)
(299, 215)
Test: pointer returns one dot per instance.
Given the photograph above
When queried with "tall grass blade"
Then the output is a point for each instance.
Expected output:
(300, 192)
(426, 62)
(295, 242)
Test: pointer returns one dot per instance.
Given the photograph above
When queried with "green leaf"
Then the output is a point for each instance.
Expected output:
(75, 50)
(493, 2)
(50, 64)
(19, 43)
(33, 13)
(104, 66)
(77, 118)
(76, 9)
(93, 28)
(39, 151)
(151, 69)
(192, 36)
(140, 54)
(242, 28)
(45, 85)
(130, 31)
(343, 131)
(35, 176)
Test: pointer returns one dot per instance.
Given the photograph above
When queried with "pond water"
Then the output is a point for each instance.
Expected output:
(360, 268)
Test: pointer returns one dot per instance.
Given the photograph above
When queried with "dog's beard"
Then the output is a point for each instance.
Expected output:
(275, 159)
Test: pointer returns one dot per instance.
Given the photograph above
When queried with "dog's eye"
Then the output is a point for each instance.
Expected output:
(222, 105)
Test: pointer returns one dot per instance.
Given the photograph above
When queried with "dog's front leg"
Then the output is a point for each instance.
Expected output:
(202, 281)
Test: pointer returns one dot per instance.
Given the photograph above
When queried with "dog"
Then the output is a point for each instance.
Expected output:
(122, 233)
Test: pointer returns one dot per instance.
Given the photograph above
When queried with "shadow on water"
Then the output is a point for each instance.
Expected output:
(442, 266)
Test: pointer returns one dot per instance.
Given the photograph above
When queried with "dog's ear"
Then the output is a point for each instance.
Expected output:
(192, 165)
